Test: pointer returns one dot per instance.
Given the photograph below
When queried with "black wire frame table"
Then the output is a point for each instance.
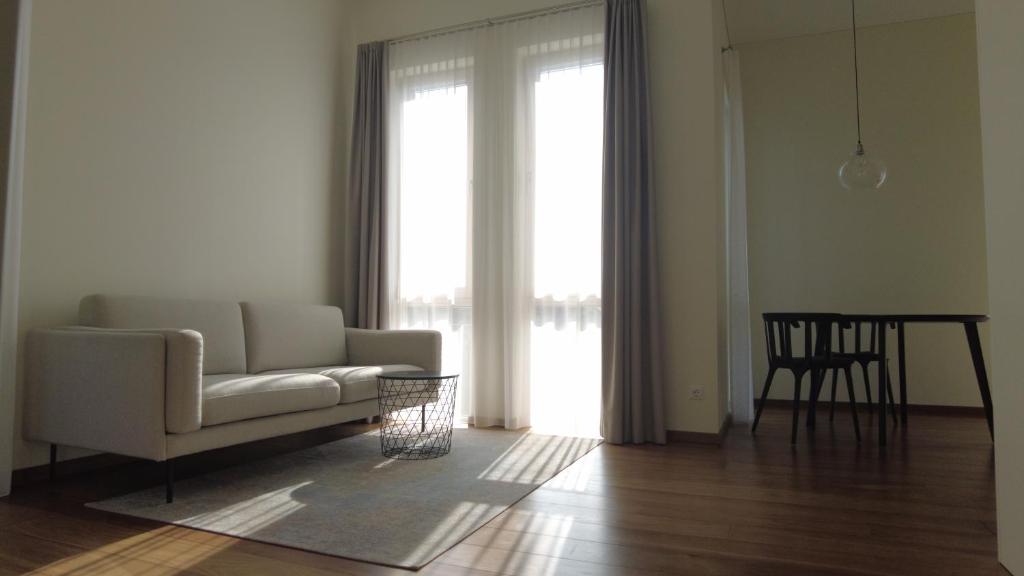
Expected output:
(417, 413)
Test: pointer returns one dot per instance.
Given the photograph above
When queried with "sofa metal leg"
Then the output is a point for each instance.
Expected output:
(53, 462)
(169, 469)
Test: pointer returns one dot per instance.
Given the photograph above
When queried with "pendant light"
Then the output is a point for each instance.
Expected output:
(861, 171)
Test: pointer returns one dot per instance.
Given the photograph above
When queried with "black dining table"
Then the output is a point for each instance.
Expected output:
(899, 321)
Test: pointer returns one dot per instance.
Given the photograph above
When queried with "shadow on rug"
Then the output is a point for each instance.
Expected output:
(346, 499)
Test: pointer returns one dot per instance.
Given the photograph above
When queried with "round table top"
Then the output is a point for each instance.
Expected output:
(418, 375)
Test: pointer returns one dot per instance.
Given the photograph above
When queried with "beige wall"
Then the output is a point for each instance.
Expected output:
(686, 96)
(917, 245)
(181, 148)
(1000, 53)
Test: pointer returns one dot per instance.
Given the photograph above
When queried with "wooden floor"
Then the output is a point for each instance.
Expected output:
(754, 506)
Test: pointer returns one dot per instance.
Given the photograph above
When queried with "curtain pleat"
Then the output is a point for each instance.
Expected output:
(632, 387)
(368, 185)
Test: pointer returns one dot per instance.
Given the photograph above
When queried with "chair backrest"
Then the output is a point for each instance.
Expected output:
(859, 331)
(814, 327)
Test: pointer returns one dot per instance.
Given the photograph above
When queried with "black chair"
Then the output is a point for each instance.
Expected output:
(815, 356)
(863, 354)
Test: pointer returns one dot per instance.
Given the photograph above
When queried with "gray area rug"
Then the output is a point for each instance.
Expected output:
(345, 499)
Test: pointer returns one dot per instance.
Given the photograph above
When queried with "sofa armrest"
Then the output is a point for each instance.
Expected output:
(184, 375)
(379, 347)
(117, 391)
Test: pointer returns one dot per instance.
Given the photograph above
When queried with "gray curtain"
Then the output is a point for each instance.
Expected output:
(632, 403)
(368, 185)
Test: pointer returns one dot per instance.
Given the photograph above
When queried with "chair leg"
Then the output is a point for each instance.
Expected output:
(53, 462)
(764, 398)
(797, 381)
(169, 479)
(853, 401)
(888, 390)
(817, 383)
(832, 408)
(867, 387)
(811, 408)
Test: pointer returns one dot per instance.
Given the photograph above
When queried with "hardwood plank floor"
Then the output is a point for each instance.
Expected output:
(756, 505)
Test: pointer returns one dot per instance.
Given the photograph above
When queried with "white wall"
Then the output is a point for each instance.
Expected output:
(686, 99)
(1000, 54)
(917, 245)
(182, 148)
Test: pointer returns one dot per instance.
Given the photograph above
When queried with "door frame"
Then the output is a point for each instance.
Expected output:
(11, 262)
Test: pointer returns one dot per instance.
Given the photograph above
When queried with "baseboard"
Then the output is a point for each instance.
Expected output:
(923, 409)
(683, 436)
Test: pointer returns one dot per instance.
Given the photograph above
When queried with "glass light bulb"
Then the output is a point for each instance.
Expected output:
(862, 171)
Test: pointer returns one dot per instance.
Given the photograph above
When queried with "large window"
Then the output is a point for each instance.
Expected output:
(495, 160)
(565, 361)
(433, 257)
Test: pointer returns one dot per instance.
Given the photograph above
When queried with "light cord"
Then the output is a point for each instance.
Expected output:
(856, 73)
(728, 37)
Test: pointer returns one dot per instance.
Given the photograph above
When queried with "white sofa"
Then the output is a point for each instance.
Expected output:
(159, 378)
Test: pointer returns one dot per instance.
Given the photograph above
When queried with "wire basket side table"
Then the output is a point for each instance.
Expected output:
(417, 411)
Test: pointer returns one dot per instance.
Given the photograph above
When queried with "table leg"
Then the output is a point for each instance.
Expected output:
(974, 343)
(902, 346)
(883, 419)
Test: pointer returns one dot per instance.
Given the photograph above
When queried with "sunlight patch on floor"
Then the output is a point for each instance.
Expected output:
(534, 458)
(575, 478)
(165, 550)
(464, 516)
(249, 516)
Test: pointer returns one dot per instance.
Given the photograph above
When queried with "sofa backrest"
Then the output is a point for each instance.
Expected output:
(220, 323)
(281, 335)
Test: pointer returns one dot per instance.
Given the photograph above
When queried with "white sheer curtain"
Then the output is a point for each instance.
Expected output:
(495, 185)
(740, 376)
(429, 187)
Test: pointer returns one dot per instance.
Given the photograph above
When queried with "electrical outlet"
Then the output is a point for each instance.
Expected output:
(696, 393)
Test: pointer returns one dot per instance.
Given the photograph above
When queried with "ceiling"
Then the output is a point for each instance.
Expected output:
(758, 20)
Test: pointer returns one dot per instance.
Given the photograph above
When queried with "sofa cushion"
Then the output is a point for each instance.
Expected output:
(283, 336)
(220, 323)
(233, 397)
(357, 382)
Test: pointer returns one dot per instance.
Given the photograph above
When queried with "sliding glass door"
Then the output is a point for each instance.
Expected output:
(565, 351)
(430, 202)
(495, 143)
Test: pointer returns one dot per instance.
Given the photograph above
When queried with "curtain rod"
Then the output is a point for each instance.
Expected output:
(492, 21)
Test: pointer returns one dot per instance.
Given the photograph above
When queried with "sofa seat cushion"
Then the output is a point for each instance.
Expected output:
(357, 382)
(234, 397)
